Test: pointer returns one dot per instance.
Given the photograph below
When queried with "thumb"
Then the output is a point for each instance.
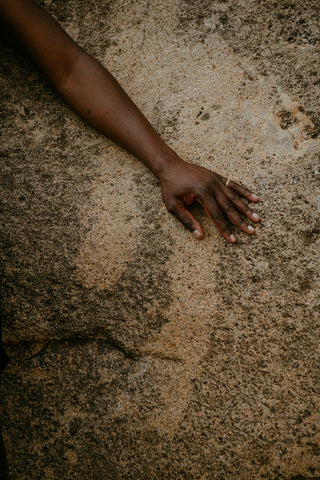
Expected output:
(185, 217)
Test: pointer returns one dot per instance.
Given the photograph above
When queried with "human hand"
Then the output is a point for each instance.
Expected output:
(184, 183)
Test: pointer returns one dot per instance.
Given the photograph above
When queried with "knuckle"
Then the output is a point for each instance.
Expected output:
(229, 209)
(187, 223)
(243, 226)
(233, 197)
(213, 186)
(218, 218)
(171, 206)
(202, 189)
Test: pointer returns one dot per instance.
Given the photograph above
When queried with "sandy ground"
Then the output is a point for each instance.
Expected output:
(137, 352)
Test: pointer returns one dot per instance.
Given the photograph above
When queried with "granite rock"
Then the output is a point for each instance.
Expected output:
(137, 352)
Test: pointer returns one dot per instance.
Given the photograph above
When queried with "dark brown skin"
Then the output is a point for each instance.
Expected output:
(109, 109)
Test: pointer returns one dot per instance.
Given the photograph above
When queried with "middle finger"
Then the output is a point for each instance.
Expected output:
(232, 213)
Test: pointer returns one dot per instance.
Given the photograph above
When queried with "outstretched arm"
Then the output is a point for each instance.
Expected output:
(95, 94)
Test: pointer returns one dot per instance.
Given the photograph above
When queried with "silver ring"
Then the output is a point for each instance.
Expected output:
(227, 182)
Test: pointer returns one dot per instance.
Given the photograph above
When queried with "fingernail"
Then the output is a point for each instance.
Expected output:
(255, 216)
(251, 229)
(196, 233)
(232, 238)
(255, 197)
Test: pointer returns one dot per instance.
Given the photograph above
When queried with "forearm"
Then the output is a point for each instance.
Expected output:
(93, 92)
(96, 95)
(84, 83)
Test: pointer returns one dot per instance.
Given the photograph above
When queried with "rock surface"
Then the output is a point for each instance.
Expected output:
(135, 351)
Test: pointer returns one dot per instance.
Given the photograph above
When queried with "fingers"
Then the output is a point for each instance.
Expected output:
(185, 217)
(239, 189)
(215, 214)
(240, 205)
(219, 197)
(232, 213)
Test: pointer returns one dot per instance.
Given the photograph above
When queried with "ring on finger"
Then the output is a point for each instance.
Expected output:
(227, 182)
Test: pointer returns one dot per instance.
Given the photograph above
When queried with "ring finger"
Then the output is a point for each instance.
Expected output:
(239, 189)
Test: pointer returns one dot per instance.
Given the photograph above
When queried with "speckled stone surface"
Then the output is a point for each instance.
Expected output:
(137, 352)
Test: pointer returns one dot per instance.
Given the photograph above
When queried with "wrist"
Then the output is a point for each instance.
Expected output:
(163, 162)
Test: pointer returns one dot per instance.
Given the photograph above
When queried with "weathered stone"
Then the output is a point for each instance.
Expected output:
(136, 351)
